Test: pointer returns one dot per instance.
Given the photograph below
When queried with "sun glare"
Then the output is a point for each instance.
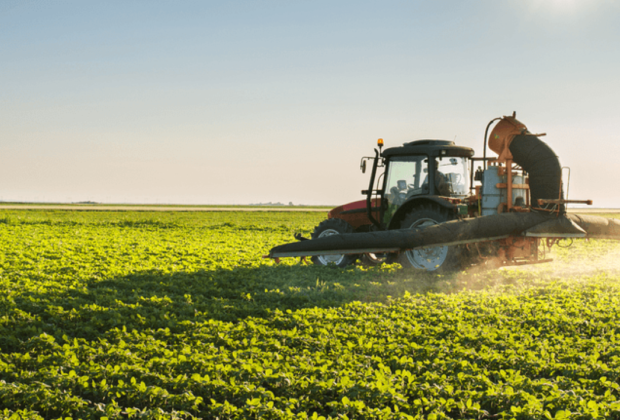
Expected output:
(557, 6)
(566, 5)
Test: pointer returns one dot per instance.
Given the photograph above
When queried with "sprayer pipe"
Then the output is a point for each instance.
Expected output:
(484, 151)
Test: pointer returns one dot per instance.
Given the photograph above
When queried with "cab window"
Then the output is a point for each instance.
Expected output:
(406, 178)
(453, 174)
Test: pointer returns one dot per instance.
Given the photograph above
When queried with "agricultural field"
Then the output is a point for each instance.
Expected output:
(175, 315)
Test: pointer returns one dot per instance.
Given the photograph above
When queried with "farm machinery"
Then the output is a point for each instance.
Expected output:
(423, 209)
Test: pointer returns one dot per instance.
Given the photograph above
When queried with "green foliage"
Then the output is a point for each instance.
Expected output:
(176, 315)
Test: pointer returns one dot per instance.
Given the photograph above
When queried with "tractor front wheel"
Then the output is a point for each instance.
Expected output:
(442, 258)
(333, 227)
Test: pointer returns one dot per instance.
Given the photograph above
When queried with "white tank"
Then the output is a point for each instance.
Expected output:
(493, 196)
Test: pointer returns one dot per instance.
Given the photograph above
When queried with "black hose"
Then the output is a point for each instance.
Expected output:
(484, 151)
(543, 167)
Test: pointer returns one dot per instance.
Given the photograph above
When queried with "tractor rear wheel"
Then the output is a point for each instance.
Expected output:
(333, 227)
(440, 258)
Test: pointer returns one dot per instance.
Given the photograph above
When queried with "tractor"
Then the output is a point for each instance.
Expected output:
(423, 210)
(422, 183)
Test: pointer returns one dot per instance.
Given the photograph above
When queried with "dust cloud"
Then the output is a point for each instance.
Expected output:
(604, 257)
(580, 261)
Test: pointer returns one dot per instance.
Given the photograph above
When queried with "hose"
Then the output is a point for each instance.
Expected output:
(543, 167)
(484, 151)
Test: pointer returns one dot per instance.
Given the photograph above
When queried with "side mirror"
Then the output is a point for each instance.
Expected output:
(363, 166)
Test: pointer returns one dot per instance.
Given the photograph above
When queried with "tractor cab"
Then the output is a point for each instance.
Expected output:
(409, 175)
(436, 171)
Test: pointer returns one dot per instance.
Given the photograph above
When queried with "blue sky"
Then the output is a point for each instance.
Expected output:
(244, 102)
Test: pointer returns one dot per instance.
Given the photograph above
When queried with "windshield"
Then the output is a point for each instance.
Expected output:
(455, 175)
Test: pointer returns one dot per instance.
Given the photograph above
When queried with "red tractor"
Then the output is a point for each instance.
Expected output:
(422, 183)
(423, 210)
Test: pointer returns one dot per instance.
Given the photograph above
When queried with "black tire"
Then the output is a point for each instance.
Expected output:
(333, 227)
(441, 258)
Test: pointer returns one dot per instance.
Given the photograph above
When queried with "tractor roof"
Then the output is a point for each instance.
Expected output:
(430, 148)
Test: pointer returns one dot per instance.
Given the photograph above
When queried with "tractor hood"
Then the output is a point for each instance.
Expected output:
(354, 213)
(355, 205)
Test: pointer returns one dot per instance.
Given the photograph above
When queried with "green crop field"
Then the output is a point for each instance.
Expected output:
(176, 315)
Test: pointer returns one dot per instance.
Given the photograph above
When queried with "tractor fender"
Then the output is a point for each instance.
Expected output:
(408, 205)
